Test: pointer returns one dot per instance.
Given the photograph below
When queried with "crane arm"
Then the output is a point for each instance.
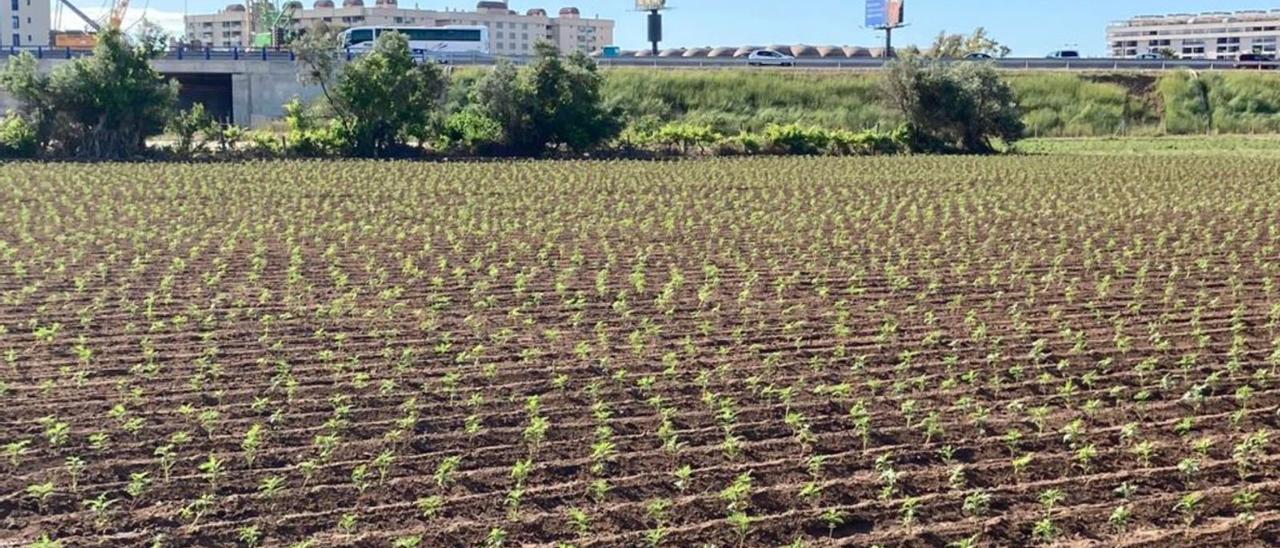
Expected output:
(117, 13)
(88, 21)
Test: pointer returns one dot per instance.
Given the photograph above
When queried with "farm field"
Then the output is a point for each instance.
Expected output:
(894, 351)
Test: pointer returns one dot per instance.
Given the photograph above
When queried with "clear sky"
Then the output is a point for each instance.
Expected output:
(1030, 27)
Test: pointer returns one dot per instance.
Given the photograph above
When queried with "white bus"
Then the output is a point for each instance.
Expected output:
(428, 41)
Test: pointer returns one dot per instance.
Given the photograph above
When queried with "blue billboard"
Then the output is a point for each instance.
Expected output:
(884, 13)
(877, 13)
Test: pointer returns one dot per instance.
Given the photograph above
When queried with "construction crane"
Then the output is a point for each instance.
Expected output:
(117, 13)
(114, 19)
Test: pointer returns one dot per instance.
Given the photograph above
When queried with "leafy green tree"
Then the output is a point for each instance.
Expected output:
(103, 106)
(953, 107)
(387, 97)
(552, 103)
(382, 99)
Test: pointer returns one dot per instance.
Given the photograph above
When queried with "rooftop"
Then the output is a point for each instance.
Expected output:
(1198, 18)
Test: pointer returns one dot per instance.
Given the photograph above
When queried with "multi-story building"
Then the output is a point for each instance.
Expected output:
(24, 23)
(1214, 35)
(510, 32)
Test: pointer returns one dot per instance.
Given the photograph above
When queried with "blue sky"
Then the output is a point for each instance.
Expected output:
(1030, 27)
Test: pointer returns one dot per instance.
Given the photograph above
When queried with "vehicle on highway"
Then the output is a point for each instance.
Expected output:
(1064, 54)
(977, 56)
(1257, 61)
(439, 43)
(770, 58)
(1149, 56)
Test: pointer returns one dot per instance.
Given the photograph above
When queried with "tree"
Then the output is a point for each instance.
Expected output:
(554, 102)
(383, 98)
(103, 106)
(387, 96)
(953, 107)
(956, 46)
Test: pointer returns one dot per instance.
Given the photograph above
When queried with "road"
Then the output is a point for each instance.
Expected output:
(1021, 63)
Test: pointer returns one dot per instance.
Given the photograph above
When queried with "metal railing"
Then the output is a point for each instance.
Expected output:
(284, 54)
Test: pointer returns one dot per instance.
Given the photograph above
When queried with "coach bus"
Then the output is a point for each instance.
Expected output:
(427, 41)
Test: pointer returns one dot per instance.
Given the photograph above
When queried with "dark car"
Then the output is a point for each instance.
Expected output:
(978, 56)
(1256, 61)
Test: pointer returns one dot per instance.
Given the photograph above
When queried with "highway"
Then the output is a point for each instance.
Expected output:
(853, 64)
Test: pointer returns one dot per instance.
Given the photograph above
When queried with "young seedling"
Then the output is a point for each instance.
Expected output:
(431, 506)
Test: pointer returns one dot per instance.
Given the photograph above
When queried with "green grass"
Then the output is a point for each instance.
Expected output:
(1054, 104)
(1208, 145)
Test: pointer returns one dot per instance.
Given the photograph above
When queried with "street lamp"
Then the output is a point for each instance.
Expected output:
(655, 8)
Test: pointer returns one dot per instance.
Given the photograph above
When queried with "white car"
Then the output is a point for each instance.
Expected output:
(770, 58)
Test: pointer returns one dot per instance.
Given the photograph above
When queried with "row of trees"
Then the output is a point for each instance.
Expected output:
(387, 103)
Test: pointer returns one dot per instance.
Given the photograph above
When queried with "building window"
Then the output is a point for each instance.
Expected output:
(17, 40)
(499, 24)
(14, 5)
(16, 24)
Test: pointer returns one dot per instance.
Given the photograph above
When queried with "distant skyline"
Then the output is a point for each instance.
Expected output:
(1030, 27)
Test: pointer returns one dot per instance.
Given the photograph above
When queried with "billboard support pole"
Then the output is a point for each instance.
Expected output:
(655, 30)
(655, 9)
(885, 15)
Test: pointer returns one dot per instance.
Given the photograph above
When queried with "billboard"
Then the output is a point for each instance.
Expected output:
(885, 13)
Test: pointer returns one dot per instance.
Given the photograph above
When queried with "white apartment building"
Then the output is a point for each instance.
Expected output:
(510, 32)
(1213, 35)
(24, 23)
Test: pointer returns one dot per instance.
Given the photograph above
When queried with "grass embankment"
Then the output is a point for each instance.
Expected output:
(1181, 145)
(1054, 104)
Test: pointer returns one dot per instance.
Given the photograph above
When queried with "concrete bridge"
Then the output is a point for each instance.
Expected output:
(248, 92)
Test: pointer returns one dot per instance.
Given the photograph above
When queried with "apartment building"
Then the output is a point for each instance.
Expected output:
(510, 32)
(24, 23)
(1213, 35)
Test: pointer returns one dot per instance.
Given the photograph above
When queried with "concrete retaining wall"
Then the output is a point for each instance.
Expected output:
(259, 89)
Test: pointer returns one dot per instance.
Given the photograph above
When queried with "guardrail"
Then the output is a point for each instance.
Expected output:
(275, 54)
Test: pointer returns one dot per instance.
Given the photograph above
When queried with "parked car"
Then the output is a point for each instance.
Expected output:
(1256, 61)
(1149, 56)
(977, 56)
(1064, 54)
(770, 58)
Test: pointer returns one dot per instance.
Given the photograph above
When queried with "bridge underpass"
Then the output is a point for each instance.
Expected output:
(246, 92)
(214, 91)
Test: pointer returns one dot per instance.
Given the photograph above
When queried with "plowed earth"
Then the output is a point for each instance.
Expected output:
(894, 351)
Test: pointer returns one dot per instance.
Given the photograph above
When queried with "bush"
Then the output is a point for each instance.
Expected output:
(309, 135)
(686, 137)
(795, 139)
(18, 138)
(186, 126)
(844, 142)
(640, 133)
(953, 107)
(550, 104)
(472, 132)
